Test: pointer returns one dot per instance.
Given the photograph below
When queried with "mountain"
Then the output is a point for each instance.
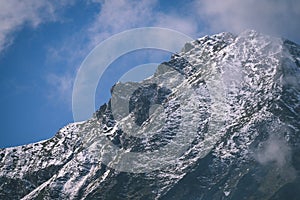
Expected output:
(220, 120)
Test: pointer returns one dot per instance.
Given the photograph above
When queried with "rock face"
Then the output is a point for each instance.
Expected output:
(220, 120)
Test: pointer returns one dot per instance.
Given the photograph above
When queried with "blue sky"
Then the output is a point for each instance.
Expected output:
(43, 42)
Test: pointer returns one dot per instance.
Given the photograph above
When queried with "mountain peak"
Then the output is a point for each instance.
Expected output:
(206, 125)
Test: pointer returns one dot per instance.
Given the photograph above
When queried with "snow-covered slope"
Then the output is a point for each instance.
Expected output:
(220, 120)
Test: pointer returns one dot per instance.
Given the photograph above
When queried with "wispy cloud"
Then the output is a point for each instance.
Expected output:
(61, 87)
(277, 154)
(275, 150)
(16, 13)
(119, 15)
(269, 16)
(187, 24)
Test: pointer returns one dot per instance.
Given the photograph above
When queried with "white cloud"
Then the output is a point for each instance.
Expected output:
(16, 13)
(268, 16)
(274, 150)
(119, 15)
(61, 87)
(277, 154)
(186, 25)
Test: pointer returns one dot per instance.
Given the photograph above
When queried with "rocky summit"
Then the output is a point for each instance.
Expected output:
(220, 120)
